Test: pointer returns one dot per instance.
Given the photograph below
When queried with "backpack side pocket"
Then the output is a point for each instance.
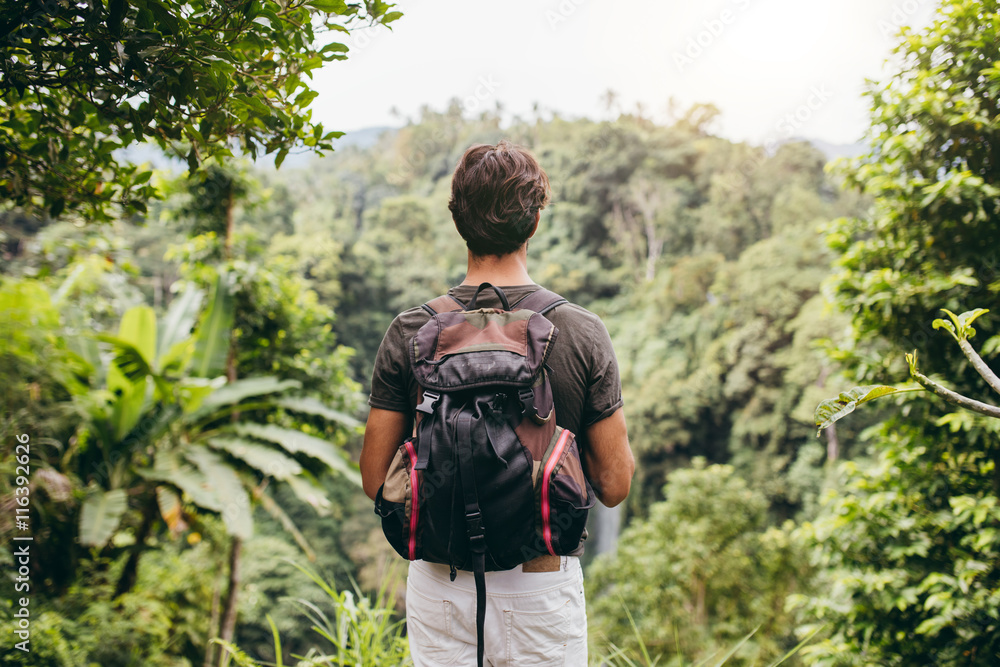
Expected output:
(566, 496)
(397, 501)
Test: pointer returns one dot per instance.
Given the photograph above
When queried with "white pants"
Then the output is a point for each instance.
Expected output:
(532, 618)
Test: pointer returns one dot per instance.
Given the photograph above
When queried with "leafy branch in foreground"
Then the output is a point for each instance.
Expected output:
(960, 327)
(80, 80)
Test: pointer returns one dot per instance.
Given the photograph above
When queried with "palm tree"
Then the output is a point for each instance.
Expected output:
(162, 434)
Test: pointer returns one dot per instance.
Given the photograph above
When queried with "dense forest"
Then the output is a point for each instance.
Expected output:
(188, 355)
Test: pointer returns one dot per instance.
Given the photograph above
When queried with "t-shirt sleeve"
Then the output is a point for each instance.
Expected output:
(604, 384)
(390, 388)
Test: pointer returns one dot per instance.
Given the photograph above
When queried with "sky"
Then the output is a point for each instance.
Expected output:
(775, 68)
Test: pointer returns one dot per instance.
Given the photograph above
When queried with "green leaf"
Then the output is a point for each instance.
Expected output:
(390, 17)
(737, 647)
(100, 515)
(132, 367)
(176, 360)
(260, 457)
(311, 494)
(990, 347)
(194, 391)
(170, 508)
(834, 409)
(138, 327)
(126, 379)
(236, 391)
(236, 512)
(947, 326)
(179, 320)
(312, 406)
(798, 646)
(280, 157)
(167, 467)
(70, 282)
(299, 442)
(305, 97)
(166, 22)
(961, 325)
(232, 651)
(329, 6)
(212, 346)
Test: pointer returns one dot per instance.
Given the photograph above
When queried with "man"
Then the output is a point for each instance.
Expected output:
(535, 613)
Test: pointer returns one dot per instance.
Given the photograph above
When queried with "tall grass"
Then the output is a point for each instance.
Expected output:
(619, 657)
(358, 631)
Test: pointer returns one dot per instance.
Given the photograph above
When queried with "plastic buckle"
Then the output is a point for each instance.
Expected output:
(477, 536)
(429, 403)
(527, 397)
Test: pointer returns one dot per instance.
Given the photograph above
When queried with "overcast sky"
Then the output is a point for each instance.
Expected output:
(775, 68)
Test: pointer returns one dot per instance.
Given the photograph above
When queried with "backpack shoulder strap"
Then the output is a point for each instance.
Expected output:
(443, 304)
(541, 301)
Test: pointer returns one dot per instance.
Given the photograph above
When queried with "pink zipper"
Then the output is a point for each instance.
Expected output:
(414, 498)
(546, 476)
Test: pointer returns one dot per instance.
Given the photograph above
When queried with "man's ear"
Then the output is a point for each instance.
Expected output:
(538, 215)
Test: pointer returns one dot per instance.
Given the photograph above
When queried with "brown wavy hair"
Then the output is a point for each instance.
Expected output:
(495, 193)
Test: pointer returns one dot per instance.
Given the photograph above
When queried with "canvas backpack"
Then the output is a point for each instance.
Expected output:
(489, 480)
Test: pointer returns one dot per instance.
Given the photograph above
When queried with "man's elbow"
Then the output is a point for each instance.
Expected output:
(614, 488)
(371, 480)
(613, 497)
(370, 487)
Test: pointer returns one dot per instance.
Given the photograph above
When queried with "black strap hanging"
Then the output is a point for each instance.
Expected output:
(474, 526)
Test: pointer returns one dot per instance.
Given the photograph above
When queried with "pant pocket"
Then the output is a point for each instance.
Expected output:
(536, 638)
(429, 626)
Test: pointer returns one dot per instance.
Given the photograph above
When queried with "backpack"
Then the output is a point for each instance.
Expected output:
(489, 480)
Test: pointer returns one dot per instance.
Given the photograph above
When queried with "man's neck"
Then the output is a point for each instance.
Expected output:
(505, 270)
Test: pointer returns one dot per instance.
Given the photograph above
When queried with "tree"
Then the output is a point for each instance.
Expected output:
(80, 80)
(911, 540)
(700, 572)
(154, 443)
(934, 175)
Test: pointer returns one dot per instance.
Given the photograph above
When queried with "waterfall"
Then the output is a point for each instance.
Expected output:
(603, 528)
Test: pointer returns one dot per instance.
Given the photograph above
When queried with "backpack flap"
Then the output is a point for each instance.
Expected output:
(479, 348)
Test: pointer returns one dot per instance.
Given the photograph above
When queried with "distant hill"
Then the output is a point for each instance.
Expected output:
(363, 138)
(832, 151)
(368, 136)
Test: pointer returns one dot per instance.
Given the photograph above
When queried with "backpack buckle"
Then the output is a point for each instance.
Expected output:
(527, 397)
(477, 536)
(429, 403)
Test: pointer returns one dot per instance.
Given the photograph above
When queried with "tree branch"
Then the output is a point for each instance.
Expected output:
(953, 397)
(980, 365)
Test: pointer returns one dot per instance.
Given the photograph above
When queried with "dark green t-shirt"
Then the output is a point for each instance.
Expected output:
(584, 371)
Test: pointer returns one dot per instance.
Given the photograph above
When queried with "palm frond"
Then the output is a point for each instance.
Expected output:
(168, 467)
(100, 515)
(258, 456)
(178, 322)
(311, 406)
(236, 391)
(237, 514)
(212, 336)
(299, 442)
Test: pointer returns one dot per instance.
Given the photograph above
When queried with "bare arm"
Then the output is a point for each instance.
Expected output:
(385, 431)
(607, 458)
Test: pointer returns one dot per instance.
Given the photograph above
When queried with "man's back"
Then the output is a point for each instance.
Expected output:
(585, 380)
(535, 612)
